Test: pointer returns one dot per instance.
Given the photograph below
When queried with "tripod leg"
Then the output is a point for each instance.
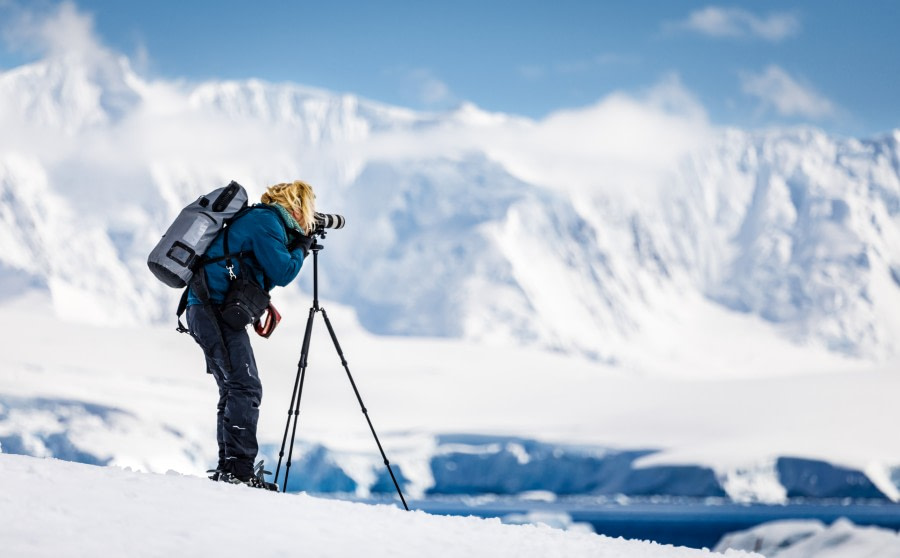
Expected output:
(296, 395)
(387, 463)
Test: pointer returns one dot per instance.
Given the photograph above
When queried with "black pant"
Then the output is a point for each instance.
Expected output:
(229, 358)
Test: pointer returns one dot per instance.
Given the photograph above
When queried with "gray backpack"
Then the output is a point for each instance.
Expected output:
(174, 259)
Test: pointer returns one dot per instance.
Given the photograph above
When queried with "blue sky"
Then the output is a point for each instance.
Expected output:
(834, 64)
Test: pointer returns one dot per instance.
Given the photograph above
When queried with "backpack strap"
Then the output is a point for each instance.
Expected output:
(229, 265)
(198, 284)
(182, 306)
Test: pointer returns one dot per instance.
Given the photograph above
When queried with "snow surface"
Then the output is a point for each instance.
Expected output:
(157, 405)
(56, 508)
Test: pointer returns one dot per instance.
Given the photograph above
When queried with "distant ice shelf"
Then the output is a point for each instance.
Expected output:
(458, 465)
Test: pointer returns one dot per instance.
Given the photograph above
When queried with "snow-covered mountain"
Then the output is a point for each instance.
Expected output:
(460, 224)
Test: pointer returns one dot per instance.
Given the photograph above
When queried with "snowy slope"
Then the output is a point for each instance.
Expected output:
(452, 416)
(582, 232)
(53, 508)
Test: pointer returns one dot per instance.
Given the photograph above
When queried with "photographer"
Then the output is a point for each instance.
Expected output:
(266, 243)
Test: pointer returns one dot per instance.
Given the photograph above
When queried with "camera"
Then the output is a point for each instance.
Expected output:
(329, 221)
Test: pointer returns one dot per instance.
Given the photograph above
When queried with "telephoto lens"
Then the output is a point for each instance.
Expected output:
(329, 221)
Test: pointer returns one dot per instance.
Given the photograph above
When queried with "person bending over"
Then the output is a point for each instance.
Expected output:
(274, 237)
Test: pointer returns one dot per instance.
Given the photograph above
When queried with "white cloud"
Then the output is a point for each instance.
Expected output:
(623, 141)
(63, 32)
(635, 139)
(735, 23)
(425, 88)
(775, 88)
(81, 109)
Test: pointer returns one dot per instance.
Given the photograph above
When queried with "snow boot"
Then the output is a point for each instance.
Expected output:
(251, 481)
(256, 480)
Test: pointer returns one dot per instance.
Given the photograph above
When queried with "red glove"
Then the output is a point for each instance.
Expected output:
(265, 328)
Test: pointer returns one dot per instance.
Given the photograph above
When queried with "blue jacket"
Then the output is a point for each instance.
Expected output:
(262, 231)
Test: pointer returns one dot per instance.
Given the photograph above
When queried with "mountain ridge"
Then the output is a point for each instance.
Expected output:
(791, 225)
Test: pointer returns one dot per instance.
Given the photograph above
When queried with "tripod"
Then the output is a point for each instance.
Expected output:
(297, 393)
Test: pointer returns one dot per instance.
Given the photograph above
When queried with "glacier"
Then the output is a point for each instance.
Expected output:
(457, 464)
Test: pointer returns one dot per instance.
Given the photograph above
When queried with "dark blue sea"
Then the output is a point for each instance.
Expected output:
(697, 524)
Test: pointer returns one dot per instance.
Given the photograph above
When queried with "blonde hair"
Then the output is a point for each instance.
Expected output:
(296, 196)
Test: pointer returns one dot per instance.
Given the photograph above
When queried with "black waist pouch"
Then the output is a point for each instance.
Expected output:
(244, 303)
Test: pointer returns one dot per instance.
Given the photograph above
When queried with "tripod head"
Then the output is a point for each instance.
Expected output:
(317, 235)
